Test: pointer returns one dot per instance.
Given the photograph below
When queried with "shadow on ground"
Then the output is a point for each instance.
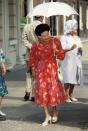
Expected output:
(71, 114)
(17, 75)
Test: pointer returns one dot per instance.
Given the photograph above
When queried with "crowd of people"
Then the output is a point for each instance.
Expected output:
(43, 55)
(42, 81)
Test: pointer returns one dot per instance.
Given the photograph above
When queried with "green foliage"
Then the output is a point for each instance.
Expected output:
(23, 20)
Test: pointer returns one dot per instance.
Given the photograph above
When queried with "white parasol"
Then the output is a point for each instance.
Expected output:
(52, 9)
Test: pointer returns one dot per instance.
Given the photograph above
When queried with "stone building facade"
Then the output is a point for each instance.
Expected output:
(10, 27)
(10, 31)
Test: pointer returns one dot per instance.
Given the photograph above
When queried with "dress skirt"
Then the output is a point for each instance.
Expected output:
(47, 87)
(3, 89)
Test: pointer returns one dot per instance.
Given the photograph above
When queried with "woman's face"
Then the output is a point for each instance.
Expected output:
(44, 36)
(74, 32)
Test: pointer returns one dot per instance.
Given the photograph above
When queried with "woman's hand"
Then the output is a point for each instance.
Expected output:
(34, 74)
(69, 49)
(73, 46)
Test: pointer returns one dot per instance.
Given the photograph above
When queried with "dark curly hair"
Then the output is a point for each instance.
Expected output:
(41, 28)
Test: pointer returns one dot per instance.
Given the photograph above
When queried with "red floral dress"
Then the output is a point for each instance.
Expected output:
(48, 89)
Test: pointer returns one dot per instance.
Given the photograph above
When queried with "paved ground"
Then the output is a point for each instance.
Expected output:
(27, 116)
(85, 50)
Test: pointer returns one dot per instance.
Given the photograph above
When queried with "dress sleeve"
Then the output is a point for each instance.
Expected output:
(33, 57)
(59, 52)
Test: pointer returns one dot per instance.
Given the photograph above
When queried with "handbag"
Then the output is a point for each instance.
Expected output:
(59, 70)
(60, 75)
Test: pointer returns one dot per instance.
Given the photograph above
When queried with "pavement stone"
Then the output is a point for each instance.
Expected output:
(27, 116)
(85, 50)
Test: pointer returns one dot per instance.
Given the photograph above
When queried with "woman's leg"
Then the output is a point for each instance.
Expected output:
(1, 113)
(67, 88)
(71, 90)
(54, 114)
(47, 116)
(0, 101)
(54, 111)
(46, 112)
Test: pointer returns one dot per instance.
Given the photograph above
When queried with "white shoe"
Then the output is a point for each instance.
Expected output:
(2, 114)
(54, 119)
(73, 99)
(69, 101)
(47, 121)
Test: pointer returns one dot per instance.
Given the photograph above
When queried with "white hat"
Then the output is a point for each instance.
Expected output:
(70, 25)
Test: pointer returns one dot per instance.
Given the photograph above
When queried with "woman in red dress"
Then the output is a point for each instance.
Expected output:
(48, 89)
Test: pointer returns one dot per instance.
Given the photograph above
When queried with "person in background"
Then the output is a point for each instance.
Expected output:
(72, 61)
(29, 37)
(3, 89)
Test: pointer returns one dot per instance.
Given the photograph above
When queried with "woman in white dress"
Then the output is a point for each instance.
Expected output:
(72, 62)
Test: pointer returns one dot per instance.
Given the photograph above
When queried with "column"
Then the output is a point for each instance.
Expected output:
(5, 24)
(57, 26)
(81, 24)
(64, 17)
(29, 8)
(20, 49)
(84, 8)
